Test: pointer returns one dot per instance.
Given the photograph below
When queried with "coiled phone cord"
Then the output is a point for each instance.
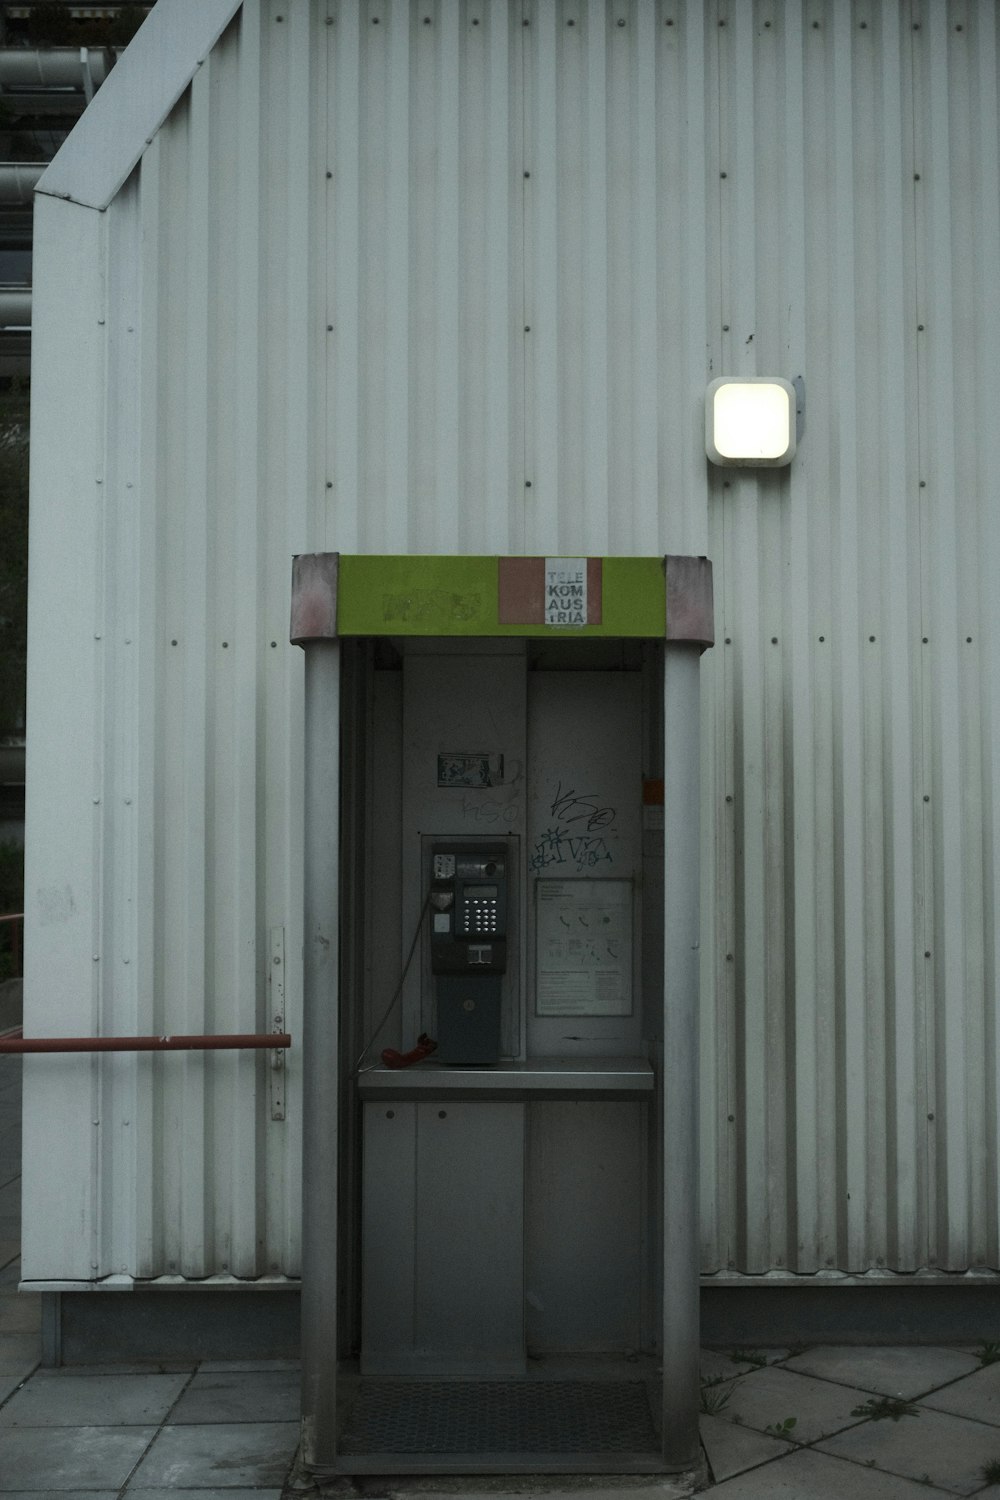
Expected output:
(399, 990)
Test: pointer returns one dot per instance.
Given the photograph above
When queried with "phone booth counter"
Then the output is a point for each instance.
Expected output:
(502, 778)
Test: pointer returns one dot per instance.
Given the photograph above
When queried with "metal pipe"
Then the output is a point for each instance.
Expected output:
(15, 308)
(320, 1020)
(237, 1041)
(52, 67)
(17, 181)
(681, 964)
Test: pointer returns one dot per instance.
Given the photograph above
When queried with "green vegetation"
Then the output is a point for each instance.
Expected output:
(881, 1408)
(749, 1357)
(781, 1429)
(988, 1353)
(716, 1394)
(990, 1473)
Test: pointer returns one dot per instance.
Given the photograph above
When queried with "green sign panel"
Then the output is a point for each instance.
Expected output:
(501, 596)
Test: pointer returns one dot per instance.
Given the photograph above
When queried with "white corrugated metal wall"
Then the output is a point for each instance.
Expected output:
(453, 276)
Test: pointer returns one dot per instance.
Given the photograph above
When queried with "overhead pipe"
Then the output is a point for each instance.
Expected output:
(32, 68)
(17, 181)
(219, 1043)
(15, 309)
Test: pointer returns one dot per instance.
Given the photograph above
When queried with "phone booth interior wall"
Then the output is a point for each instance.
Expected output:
(511, 1182)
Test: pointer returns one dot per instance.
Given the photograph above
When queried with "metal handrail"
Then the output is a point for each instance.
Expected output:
(237, 1041)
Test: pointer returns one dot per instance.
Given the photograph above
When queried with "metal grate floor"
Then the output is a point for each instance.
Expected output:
(500, 1416)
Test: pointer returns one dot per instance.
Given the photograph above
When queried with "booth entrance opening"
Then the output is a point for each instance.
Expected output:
(502, 815)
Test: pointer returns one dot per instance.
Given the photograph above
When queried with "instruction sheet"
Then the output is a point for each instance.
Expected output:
(583, 947)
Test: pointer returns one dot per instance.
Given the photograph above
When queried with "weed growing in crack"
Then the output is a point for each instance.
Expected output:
(716, 1394)
(881, 1408)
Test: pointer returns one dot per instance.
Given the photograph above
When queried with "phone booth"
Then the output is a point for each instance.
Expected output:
(500, 1246)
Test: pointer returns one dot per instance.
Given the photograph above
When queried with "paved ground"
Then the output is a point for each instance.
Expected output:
(779, 1424)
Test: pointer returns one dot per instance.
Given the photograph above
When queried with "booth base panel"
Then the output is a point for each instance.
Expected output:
(500, 1426)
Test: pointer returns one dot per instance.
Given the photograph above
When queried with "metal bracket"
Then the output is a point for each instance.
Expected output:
(276, 988)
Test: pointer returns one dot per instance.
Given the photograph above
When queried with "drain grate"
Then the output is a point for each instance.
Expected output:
(500, 1416)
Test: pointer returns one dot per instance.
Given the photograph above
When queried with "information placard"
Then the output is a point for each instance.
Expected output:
(583, 947)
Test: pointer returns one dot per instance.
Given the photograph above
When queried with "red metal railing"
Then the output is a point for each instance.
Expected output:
(13, 924)
(237, 1041)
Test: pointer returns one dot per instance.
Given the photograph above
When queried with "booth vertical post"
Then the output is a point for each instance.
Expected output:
(690, 630)
(314, 628)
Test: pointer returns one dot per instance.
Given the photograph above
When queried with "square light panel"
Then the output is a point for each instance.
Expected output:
(750, 422)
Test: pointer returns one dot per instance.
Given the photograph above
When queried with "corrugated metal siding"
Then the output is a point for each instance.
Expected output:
(453, 277)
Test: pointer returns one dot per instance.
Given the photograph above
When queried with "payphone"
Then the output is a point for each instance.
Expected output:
(468, 906)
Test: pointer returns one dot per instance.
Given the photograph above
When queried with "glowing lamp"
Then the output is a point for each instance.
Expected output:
(750, 422)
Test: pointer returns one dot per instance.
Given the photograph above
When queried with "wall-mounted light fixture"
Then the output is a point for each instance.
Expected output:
(750, 422)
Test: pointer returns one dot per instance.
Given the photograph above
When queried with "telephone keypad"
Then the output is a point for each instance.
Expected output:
(481, 915)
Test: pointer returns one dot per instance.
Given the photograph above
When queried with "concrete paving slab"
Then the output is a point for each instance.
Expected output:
(768, 1398)
(934, 1447)
(60, 1398)
(217, 1366)
(20, 1312)
(70, 1458)
(891, 1371)
(718, 1367)
(808, 1475)
(732, 1450)
(241, 1396)
(134, 1494)
(253, 1455)
(977, 1395)
(559, 1487)
(19, 1353)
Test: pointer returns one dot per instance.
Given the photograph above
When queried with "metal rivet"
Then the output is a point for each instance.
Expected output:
(822, 639)
(729, 640)
(767, 25)
(427, 20)
(571, 22)
(442, 1114)
(871, 637)
(390, 1114)
(923, 484)
(329, 174)
(669, 21)
(729, 958)
(723, 174)
(225, 645)
(864, 25)
(273, 644)
(924, 638)
(730, 1118)
(729, 797)
(621, 21)
(527, 484)
(774, 640)
(329, 484)
(968, 640)
(329, 327)
(930, 1116)
(926, 797)
(816, 28)
(920, 327)
(927, 953)
(725, 327)
(916, 176)
(173, 643)
(527, 327)
(527, 174)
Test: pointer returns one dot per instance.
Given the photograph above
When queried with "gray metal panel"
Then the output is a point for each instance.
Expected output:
(854, 239)
(389, 1205)
(443, 1238)
(586, 1233)
(551, 1077)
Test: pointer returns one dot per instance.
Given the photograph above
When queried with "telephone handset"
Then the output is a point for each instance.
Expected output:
(468, 909)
